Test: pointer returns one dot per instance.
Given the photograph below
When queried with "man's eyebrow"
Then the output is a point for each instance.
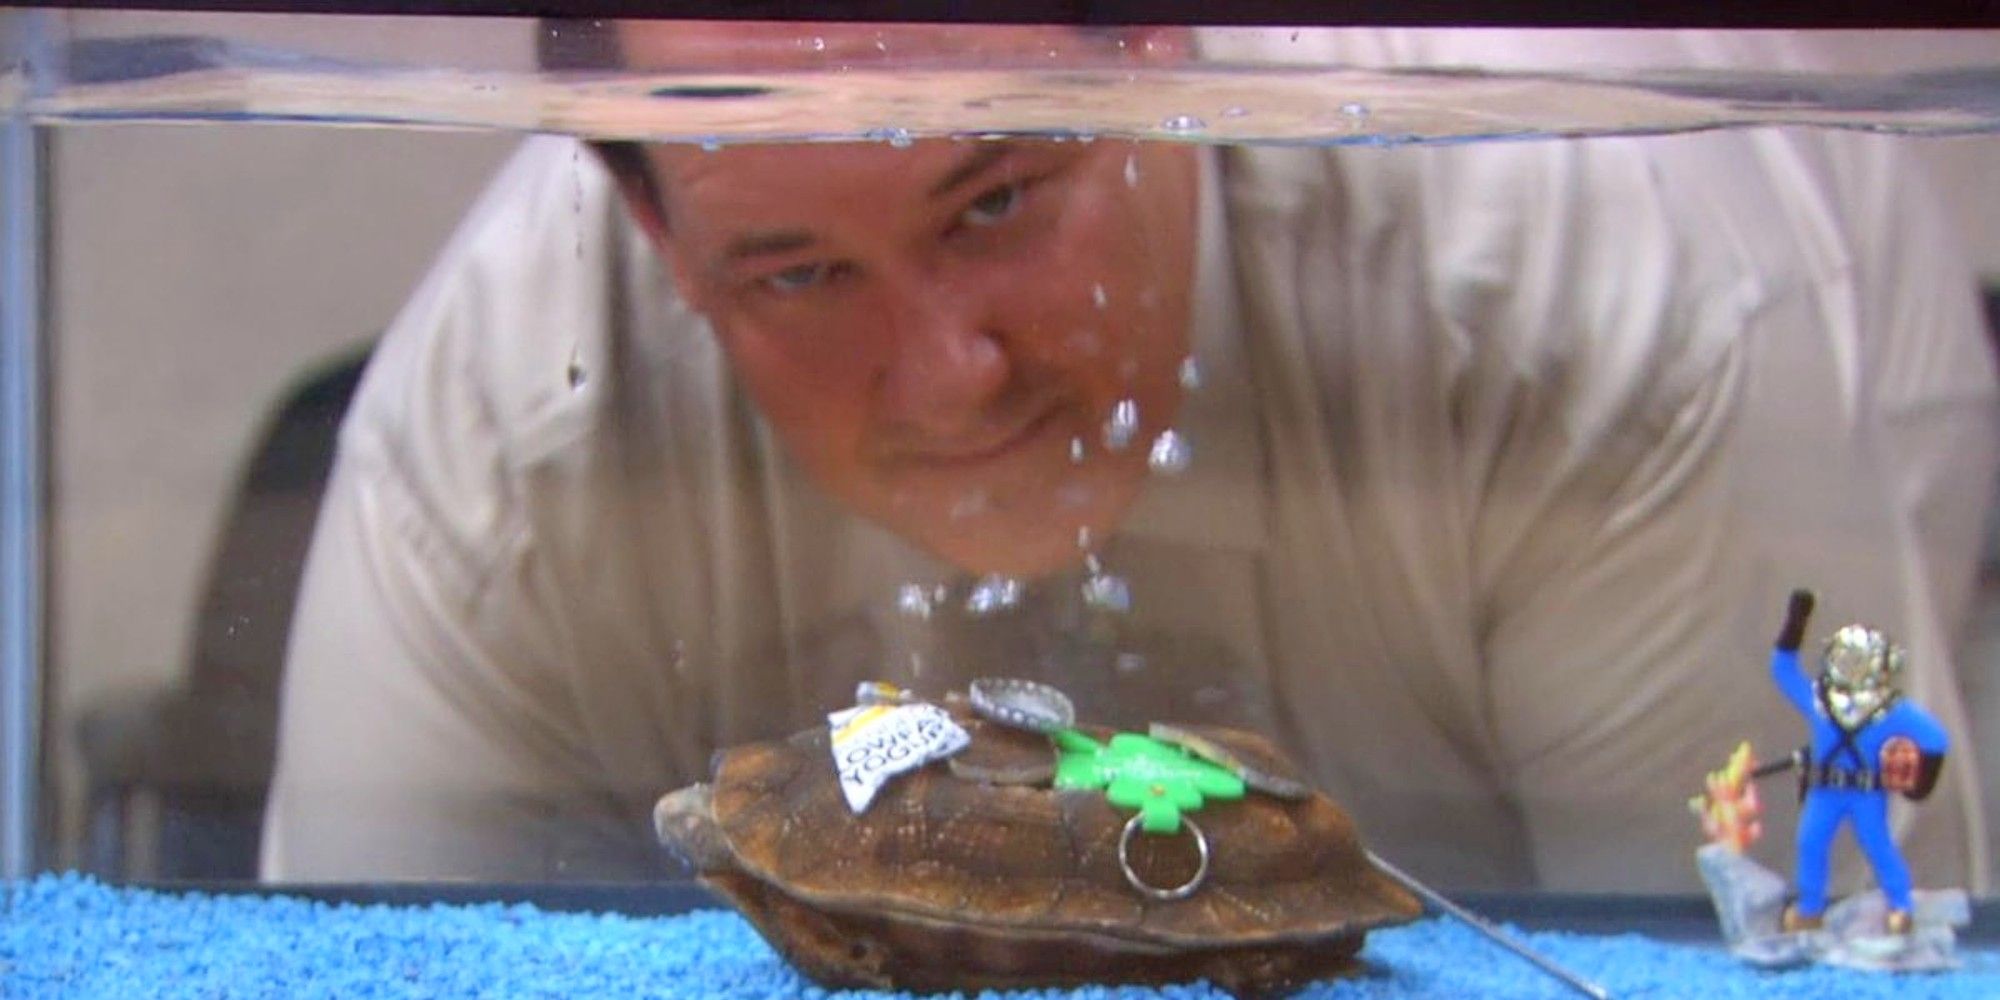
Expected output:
(982, 156)
(764, 244)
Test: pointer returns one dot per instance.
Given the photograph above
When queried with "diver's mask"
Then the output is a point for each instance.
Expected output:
(1858, 674)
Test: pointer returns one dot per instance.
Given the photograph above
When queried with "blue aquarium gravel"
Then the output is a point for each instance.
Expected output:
(71, 936)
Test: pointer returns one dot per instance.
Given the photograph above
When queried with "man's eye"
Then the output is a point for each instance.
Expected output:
(798, 277)
(993, 206)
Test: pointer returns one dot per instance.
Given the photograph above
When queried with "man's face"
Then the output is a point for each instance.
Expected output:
(946, 335)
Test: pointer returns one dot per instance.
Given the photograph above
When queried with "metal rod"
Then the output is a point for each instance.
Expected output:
(1492, 933)
(22, 461)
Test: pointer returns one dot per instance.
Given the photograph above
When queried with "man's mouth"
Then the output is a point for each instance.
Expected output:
(987, 446)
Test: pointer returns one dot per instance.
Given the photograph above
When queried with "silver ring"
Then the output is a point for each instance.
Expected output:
(1181, 891)
(1022, 704)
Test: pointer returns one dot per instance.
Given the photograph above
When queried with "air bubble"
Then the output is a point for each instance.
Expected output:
(819, 45)
(1354, 109)
(1131, 171)
(1098, 297)
(1107, 593)
(913, 601)
(1190, 374)
(1183, 123)
(993, 593)
(969, 505)
(1123, 424)
(894, 136)
(1076, 450)
(1235, 111)
(1170, 454)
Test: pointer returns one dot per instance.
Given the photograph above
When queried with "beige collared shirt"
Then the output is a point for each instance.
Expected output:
(1504, 459)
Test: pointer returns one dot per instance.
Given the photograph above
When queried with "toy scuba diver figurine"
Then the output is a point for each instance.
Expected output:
(1867, 742)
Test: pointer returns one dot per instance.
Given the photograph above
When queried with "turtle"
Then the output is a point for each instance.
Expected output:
(976, 873)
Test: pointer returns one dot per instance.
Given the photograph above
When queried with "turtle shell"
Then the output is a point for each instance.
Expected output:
(951, 883)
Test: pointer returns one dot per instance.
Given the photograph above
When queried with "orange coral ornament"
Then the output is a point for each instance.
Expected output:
(1730, 812)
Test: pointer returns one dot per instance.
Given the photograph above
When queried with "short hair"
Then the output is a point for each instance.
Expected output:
(586, 44)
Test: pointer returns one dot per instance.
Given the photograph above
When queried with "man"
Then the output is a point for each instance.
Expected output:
(1492, 450)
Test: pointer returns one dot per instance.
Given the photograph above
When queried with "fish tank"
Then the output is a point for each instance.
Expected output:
(503, 505)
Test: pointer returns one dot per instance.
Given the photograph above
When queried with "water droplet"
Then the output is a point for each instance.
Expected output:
(1183, 123)
(1107, 593)
(819, 45)
(1190, 374)
(913, 600)
(881, 46)
(1170, 454)
(993, 593)
(1122, 425)
(1098, 297)
(1076, 450)
(893, 135)
(1235, 111)
(1131, 171)
(969, 505)
(1354, 109)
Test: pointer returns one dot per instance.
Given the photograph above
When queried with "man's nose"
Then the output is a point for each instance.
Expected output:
(947, 361)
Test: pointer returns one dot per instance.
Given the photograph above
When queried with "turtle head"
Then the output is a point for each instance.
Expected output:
(684, 820)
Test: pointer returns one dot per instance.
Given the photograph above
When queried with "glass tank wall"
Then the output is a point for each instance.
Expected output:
(428, 491)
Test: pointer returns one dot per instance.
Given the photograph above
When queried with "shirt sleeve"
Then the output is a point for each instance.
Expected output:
(429, 725)
(408, 748)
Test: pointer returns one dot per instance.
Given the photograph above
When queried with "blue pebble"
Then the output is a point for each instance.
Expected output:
(64, 936)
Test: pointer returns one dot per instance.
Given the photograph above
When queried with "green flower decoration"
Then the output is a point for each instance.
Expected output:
(1158, 779)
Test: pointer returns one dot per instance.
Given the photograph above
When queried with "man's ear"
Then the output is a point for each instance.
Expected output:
(640, 189)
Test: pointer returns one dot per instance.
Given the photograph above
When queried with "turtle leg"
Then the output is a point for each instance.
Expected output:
(819, 947)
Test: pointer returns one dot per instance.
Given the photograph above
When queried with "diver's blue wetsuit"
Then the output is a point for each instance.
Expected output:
(1858, 755)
